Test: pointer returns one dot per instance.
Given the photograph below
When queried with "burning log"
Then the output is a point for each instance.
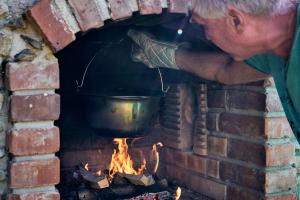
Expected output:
(123, 190)
(119, 180)
(140, 179)
(165, 195)
(96, 181)
(178, 193)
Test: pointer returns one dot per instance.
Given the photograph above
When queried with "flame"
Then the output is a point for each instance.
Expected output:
(155, 155)
(121, 161)
(99, 173)
(86, 166)
(160, 144)
(178, 193)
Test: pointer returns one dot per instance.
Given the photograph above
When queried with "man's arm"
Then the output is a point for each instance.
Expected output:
(217, 67)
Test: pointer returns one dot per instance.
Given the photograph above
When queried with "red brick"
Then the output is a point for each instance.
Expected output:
(35, 107)
(217, 146)
(52, 25)
(282, 197)
(22, 76)
(242, 125)
(119, 9)
(273, 103)
(281, 180)
(177, 158)
(280, 154)
(86, 13)
(73, 158)
(241, 194)
(247, 152)
(176, 173)
(162, 171)
(212, 120)
(195, 182)
(197, 163)
(216, 98)
(35, 196)
(213, 168)
(37, 173)
(244, 176)
(277, 127)
(33, 141)
(246, 100)
(179, 6)
(147, 7)
(207, 187)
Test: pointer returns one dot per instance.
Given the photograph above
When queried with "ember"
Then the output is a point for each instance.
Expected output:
(178, 193)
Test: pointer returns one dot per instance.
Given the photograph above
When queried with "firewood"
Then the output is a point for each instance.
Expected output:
(123, 190)
(141, 179)
(96, 182)
(119, 180)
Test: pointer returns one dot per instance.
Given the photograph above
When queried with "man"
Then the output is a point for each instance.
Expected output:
(261, 39)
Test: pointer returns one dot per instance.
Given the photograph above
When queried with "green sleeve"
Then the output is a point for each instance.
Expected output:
(260, 63)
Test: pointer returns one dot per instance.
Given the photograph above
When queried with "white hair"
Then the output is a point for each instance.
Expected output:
(217, 8)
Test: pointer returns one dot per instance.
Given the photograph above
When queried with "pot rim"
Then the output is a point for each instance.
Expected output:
(122, 97)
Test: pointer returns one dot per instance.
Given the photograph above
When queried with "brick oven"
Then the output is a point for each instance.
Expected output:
(222, 142)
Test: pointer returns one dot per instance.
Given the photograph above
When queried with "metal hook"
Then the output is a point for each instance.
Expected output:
(162, 82)
(84, 74)
(98, 52)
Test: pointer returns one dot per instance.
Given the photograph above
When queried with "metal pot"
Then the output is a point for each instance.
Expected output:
(120, 116)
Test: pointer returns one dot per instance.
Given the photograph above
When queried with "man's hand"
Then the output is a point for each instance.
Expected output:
(151, 52)
(211, 66)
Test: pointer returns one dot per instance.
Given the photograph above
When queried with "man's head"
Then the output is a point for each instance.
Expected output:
(239, 26)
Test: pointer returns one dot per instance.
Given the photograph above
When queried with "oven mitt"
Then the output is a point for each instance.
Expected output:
(151, 52)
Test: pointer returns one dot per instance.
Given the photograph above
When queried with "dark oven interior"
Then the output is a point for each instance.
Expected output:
(99, 64)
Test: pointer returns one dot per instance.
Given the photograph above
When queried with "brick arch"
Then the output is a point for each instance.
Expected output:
(60, 20)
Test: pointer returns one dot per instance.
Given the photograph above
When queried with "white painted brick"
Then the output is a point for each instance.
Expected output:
(67, 15)
(133, 5)
(164, 3)
(103, 9)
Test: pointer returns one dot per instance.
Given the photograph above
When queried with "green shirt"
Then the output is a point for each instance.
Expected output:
(286, 75)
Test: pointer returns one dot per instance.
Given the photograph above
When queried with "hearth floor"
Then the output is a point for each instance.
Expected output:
(190, 195)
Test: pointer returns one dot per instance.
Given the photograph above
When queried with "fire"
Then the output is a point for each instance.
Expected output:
(86, 166)
(178, 193)
(155, 155)
(99, 173)
(121, 161)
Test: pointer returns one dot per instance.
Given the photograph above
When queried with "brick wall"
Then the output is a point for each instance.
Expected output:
(31, 76)
(60, 20)
(242, 145)
(237, 144)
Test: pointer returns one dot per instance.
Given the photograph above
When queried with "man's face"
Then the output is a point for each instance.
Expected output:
(226, 35)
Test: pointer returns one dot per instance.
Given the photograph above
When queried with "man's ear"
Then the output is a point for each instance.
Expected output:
(236, 20)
